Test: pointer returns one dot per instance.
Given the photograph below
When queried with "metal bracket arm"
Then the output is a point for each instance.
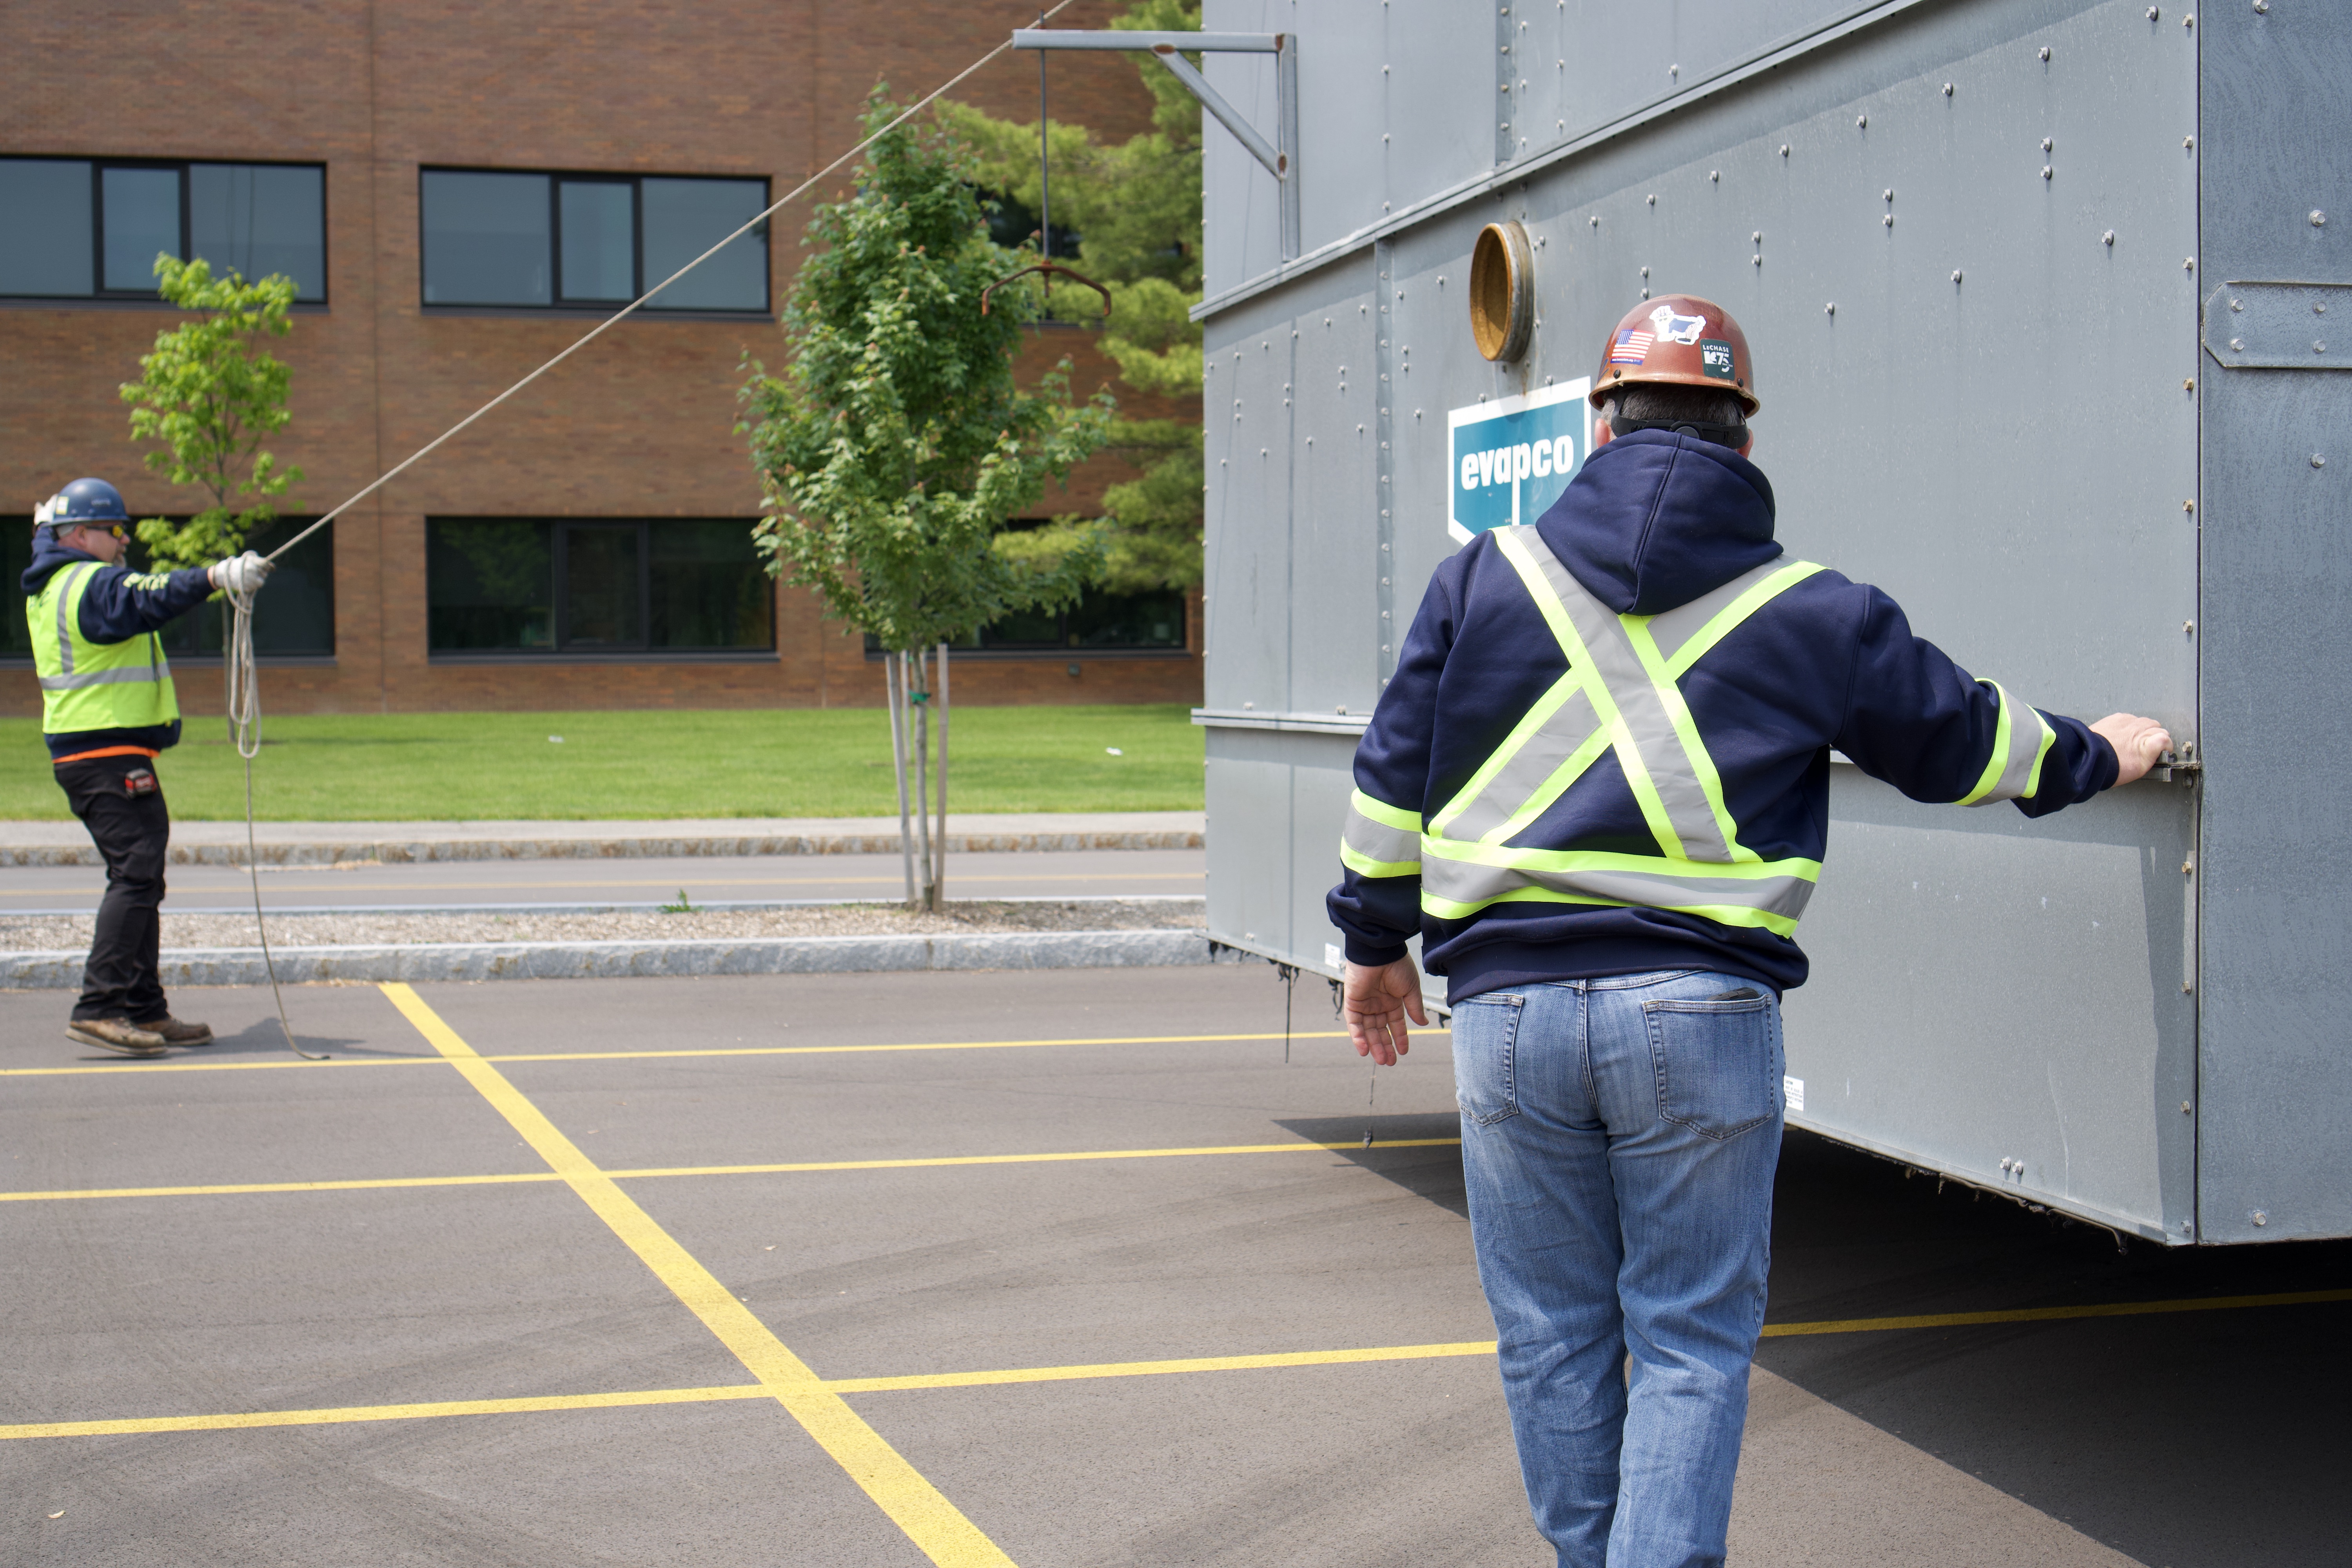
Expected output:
(1280, 157)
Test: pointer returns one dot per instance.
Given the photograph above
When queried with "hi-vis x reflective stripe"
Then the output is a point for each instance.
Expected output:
(1381, 839)
(2020, 739)
(1620, 695)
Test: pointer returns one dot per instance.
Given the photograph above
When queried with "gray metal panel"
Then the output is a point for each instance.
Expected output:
(2012, 993)
(1333, 665)
(1248, 450)
(1241, 234)
(2276, 1092)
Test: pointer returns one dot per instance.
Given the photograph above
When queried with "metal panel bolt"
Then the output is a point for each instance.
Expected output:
(2045, 170)
(1784, 149)
(2188, 141)
(2237, 304)
(2319, 345)
(1830, 308)
(1715, 176)
(2188, 629)
(2318, 461)
(1673, 70)
(1654, 200)
(2237, 345)
(2188, 384)
(2109, 237)
(2004, 1165)
(1596, 220)
(2190, 505)
(1888, 220)
(1948, 89)
(2151, 13)
(2318, 308)
(2046, 51)
(1861, 122)
(2188, 263)
(2318, 218)
(2185, 1110)
(2190, 20)
(2260, 1218)
(1645, 272)
(1956, 275)
(1756, 260)
(1889, 195)
(2262, 8)
(2047, 144)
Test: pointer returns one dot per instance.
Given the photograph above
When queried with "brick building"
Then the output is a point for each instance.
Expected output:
(461, 190)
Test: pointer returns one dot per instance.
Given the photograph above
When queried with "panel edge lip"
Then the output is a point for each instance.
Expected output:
(1252, 718)
(1793, 47)
(2263, 356)
(2056, 1203)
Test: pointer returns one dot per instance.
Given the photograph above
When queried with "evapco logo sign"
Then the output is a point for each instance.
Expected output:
(1510, 459)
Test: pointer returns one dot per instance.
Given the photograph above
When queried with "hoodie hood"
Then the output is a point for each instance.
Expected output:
(1656, 519)
(48, 556)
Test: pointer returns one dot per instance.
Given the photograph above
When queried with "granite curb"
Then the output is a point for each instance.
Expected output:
(366, 852)
(612, 960)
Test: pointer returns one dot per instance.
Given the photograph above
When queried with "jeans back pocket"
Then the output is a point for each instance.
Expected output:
(1485, 1035)
(1716, 1064)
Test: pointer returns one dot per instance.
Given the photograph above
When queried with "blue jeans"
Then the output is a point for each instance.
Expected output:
(1619, 1136)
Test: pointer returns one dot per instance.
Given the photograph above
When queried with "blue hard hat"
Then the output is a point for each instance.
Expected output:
(85, 500)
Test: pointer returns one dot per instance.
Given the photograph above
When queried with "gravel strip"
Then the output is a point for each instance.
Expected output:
(60, 933)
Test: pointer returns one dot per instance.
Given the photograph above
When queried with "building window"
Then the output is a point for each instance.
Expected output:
(85, 228)
(549, 241)
(296, 620)
(597, 587)
(1099, 622)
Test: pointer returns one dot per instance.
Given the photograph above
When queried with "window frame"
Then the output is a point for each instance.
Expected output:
(98, 165)
(559, 549)
(559, 306)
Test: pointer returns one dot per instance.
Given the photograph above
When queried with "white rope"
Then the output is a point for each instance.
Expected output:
(601, 327)
(244, 728)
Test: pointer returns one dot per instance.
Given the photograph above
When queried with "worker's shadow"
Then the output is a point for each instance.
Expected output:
(261, 1038)
(1399, 1151)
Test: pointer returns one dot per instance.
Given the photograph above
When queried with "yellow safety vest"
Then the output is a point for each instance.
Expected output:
(1621, 695)
(89, 685)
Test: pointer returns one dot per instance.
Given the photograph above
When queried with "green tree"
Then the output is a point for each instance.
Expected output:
(212, 393)
(1136, 207)
(895, 444)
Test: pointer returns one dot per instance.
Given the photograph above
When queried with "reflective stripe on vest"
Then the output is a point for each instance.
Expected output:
(1619, 696)
(2020, 741)
(75, 675)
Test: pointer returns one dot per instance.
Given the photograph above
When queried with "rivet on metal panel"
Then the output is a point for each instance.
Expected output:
(2318, 218)
(2238, 345)
(2045, 170)
(2046, 51)
(1948, 89)
(1596, 220)
(2190, 20)
(2189, 383)
(2047, 144)
(2189, 868)
(1784, 149)
(2188, 263)
(2237, 304)
(2151, 13)
(2004, 1165)
(1645, 272)
(1888, 220)
(1756, 259)
(1675, 70)
(2109, 237)
(1956, 275)
(2188, 629)
(2260, 1218)
(1654, 200)
(2188, 141)
(2318, 308)
(2190, 505)
(2318, 461)
(2262, 6)
(1715, 176)
(2184, 1110)
(2319, 345)
(1758, 238)
(1830, 308)
(1861, 122)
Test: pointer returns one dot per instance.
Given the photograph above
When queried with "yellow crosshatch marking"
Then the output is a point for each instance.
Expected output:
(132, 1068)
(370, 1184)
(914, 1505)
(919, 1382)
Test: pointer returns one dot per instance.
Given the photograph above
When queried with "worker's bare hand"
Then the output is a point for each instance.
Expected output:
(1377, 1002)
(2138, 742)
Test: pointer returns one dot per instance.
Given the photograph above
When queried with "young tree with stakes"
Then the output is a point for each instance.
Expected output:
(212, 393)
(895, 444)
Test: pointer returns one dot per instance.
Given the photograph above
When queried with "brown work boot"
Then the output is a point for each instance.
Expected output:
(116, 1035)
(175, 1033)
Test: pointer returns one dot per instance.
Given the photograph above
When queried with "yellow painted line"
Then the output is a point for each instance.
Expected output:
(793, 1167)
(1155, 1368)
(131, 1067)
(840, 1385)
(183, 884)
(933, 1523)
(241, 1420)
(2055, 1314)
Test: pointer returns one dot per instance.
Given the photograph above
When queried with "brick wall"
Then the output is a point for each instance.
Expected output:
(639, 424)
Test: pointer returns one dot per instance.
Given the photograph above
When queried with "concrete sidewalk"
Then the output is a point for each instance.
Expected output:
(347, 843)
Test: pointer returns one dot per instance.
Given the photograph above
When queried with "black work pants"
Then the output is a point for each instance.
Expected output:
(123, 978)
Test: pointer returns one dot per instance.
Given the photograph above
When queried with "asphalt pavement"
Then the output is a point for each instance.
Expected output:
(575, 883)
(1071, 1267)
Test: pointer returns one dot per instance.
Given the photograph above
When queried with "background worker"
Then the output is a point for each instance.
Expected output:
(1598, 788)
(107, 709)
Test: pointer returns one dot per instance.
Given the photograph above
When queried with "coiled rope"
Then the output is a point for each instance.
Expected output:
(244, 685)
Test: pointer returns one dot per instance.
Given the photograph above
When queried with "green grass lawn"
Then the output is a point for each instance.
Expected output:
(792, 762)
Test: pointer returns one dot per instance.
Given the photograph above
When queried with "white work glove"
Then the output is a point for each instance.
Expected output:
(239, 575)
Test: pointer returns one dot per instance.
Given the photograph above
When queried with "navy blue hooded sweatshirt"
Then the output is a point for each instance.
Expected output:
(119, 605)
(1654, 520)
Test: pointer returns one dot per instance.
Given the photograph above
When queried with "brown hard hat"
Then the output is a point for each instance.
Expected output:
(1677, 340)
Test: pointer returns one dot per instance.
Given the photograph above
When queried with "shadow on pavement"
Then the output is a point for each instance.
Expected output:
(2206, 1440)
(1432, 1172)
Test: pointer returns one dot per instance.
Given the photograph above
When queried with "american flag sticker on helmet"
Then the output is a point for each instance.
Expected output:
(1631, 347)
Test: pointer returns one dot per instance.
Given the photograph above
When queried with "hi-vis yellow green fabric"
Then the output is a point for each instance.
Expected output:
(89, 685)
(1619, 698)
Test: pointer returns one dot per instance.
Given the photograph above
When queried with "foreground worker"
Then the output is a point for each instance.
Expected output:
(1598, 788)
(107, 709)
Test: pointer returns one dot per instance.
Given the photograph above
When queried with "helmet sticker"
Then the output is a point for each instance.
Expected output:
(1714, 358)
(1677, 329)
(1631, 347)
